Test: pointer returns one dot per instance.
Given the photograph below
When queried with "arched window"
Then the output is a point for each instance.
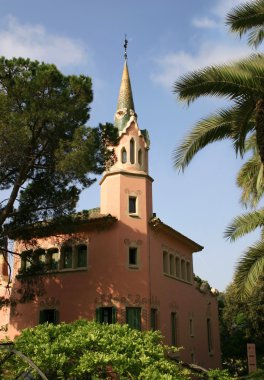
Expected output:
(53, 258)
(66, 256)
(123, 156)
(81, 261)
(165, 262)
(188, 271)
(172, 266)
(140, 157)
(183, 270)
(177, 265)
(132, 151)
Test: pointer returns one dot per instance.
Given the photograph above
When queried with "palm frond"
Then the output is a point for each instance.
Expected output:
(244, 123)
(228, 81)
(256, 36)
(247, 181)
(249, 270)
(251, 143)
(246, 17)
(245, 224)
(214, 128)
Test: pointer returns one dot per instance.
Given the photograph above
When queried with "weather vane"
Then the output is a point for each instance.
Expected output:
(125, 47)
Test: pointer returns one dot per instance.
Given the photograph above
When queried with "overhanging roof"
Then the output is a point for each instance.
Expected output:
(158, 225)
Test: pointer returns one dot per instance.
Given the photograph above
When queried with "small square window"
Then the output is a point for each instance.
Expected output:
(132, 207)
(132, 256)
(48, 316)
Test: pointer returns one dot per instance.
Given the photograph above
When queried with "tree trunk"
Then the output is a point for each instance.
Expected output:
(260, 128)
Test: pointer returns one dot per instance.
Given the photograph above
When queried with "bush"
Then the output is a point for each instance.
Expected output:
(83, 350)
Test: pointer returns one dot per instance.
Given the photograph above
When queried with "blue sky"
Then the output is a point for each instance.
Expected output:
(166, 39)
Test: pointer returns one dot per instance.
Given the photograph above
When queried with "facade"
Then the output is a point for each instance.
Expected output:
(119, 263)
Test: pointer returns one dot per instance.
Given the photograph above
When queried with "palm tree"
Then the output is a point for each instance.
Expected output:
(240, 82)
(250, 268)
(248, 17)
(249, 176)
(243, 123)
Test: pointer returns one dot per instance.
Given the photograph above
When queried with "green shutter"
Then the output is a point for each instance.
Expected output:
(113, 315)
(42, 316)
(56, 317)
(133, 317)
(98, 314)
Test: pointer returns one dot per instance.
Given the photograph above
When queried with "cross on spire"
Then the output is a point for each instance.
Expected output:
(125, 47)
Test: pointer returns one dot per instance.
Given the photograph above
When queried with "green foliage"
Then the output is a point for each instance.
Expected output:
(241, 322)
(82, 349)
(217, 374)
(248, 17)
(257, 375)
(47, 152)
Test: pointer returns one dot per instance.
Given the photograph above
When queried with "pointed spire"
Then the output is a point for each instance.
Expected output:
(125, 104)
(125, 99)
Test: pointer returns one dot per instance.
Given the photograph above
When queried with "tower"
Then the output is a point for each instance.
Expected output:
(126, 187)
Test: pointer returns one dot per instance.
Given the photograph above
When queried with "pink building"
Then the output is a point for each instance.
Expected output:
(119, 263)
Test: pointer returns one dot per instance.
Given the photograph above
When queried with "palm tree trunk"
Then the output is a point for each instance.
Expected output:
(260, 128)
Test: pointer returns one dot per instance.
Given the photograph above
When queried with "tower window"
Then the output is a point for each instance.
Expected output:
(132, 207)
(132, 151)
(123, 156)
(140, 157)
(133, 256)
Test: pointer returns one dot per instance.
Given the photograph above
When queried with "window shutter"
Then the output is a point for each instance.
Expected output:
(98, 314)
(56, 317)
(41, 316)
(114, 315)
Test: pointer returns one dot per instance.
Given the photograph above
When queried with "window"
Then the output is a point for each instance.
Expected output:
(177, 265)
(183, 274)
(188, 271)
(40, 256)
(132, 151)
(26, 260)
(132, 207)
(49, 316)
(172, 269)
(66, 257)
(140, 157)
(81, 261)
(53, 258)
(165, 262)
(123, 156)
(174, 329)
(153, 319)
(133, 256)
(106, 315)
(209, 335)
(133, 317)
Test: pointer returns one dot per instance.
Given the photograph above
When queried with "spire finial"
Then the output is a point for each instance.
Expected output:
(125, 47)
